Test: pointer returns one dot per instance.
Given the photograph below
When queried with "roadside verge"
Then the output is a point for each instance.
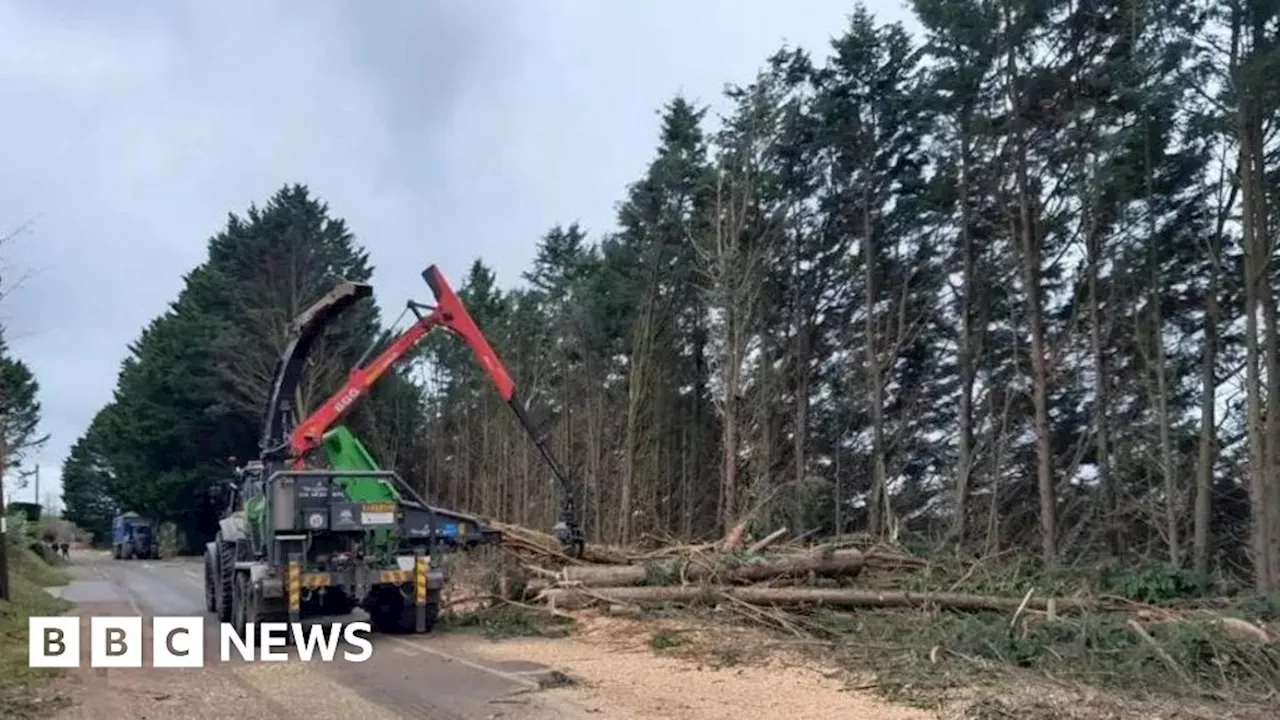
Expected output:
(26, 692)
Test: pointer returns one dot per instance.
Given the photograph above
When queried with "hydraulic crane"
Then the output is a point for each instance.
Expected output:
(300, 540)
(294, 444)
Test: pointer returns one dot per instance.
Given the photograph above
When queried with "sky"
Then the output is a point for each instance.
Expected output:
(442, 132)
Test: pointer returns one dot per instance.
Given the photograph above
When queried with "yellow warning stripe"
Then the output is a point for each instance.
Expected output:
(420, 581)
(295, 586)
(311, 581)
(394, 577)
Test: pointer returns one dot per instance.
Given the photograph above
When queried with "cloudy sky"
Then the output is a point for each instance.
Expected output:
(441, 131)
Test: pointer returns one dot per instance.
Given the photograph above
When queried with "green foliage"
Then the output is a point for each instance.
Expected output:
(19, 409)
(1155, 584)
(508, 621)
(922, 657)
(191, 394)
(25, 693)
(665, 640)
(87, 483)
(29, 510)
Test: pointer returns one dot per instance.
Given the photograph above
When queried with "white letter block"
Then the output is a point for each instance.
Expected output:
(177, 642)
(54, 642)
(115, 642)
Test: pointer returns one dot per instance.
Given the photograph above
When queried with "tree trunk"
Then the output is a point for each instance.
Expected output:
(877, 505)
(1207, 450)
(569, 598)
(1101, 384)
(1030, 246)
(842, 563)
(1254, 286)
(967, 359)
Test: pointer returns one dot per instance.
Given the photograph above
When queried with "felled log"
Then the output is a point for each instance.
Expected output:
(846, 563)
(577, 597)
(540, 543)
(767, 540)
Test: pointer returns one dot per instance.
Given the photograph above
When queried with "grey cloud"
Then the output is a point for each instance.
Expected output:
(440, 131)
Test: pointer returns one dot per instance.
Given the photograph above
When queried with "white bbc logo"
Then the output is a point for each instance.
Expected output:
(116, 642)
(178, 642)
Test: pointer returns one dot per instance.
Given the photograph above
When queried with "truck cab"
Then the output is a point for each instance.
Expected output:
(132, 537)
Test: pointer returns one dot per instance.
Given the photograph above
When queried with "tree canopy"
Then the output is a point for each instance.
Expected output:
(1005, 284)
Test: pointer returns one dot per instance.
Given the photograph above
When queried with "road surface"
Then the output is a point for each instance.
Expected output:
(426, 677)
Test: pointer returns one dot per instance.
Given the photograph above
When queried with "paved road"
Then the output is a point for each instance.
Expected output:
(427, 677)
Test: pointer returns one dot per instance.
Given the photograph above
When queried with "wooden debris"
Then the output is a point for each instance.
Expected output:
(766, 541)
(826, 563)
(577, 597)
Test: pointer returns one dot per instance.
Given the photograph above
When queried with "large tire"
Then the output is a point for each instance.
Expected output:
(401, 618)
(240, 603)
(226, 577)
(210, 583)
(336, 603)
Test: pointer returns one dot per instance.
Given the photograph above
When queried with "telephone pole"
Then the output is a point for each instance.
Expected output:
(4, 525)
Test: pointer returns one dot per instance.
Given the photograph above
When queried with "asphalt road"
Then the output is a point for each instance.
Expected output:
(426, 677)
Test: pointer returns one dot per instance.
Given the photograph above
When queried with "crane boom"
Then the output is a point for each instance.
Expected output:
(449, 313)
(456, 318)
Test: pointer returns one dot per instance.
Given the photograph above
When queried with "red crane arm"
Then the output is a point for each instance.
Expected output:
(449, 312)
(452, 314)
(309, 434)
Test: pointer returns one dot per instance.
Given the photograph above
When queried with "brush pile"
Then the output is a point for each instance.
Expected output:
(765, 573)
(856, 598)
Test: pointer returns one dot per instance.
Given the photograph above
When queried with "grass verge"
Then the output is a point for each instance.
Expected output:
(24, 691)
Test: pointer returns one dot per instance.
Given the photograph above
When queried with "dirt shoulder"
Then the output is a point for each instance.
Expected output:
(626, 669)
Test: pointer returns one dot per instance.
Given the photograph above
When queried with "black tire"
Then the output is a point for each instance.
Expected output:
(210, 584)
(240, 603)
(336, 603)
(226, 577)
(401, 619)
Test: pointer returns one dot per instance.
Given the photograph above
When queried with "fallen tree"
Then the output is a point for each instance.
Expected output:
(824, 563)
(576, 597)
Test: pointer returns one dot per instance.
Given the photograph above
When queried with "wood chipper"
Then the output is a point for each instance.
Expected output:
(307, 531)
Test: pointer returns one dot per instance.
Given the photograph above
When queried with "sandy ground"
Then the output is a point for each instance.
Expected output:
(444, 676)
(616, 668)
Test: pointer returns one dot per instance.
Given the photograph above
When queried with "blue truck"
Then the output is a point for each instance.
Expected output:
(133, 536)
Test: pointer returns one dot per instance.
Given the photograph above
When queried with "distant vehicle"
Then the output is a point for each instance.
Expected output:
(133, 536)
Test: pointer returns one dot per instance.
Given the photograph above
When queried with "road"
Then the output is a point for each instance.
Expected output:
(426, 677)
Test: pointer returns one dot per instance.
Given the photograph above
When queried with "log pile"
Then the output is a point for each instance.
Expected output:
(760, 573)
(772, 581)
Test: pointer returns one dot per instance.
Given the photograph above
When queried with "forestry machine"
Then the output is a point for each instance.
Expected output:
(302, 537)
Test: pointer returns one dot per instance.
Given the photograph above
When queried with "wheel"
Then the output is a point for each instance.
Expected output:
(240, 603)
(400, 618)
(210, 585)
(226, 569)
(336, 602)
